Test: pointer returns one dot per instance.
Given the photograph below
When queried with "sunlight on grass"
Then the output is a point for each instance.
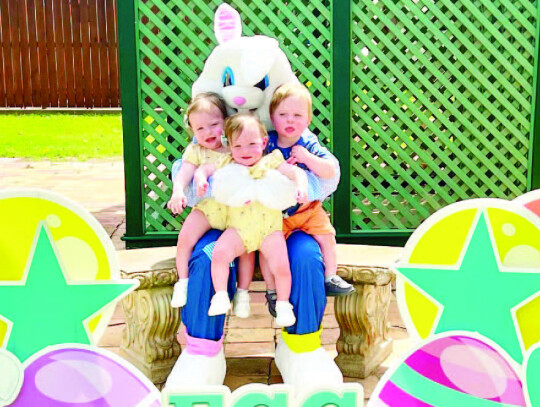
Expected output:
(60, 135)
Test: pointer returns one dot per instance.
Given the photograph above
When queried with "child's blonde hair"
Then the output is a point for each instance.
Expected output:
(238, 122)
(205, 103)
(291, 89)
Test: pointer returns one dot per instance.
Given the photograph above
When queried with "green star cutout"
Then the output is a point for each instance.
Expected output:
(45, 309)
(476, 295)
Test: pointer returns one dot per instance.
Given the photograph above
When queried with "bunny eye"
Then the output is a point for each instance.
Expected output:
(228, 77)
(263, 84)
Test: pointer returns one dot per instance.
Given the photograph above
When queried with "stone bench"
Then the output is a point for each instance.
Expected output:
(364, 341)
(149, 338)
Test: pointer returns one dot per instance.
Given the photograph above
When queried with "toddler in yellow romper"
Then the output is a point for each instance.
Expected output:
(253, 221)
(256, 189)
(215, 212)
(206, 115)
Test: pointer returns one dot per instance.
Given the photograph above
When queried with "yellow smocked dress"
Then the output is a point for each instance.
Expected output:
(216, 213)
(255, 214)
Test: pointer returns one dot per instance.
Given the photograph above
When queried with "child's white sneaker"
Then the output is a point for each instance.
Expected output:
(241, 306)
(179, 295)
(284, 313)
(219, 304)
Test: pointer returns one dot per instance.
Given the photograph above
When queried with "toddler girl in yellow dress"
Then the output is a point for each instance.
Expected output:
(256, 189)
(205, 115)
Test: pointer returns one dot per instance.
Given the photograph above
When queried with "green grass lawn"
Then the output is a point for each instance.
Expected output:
(60, 135)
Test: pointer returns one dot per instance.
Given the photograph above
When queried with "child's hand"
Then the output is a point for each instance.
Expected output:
(302, 195)
(177, 203)
(202, 187)
(200, 178)
(299, 154)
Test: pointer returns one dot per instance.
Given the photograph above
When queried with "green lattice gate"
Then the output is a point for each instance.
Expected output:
(424, 102)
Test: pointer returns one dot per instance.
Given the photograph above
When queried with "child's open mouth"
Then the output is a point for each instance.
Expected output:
(211, 139)
(289, 129)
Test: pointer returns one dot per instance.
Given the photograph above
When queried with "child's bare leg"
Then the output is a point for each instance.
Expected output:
(228, 247)
(274, 249)
(266, 273)
(194, 227)
(271, 295)
(246, 265)
(327, 243)
(333, 283)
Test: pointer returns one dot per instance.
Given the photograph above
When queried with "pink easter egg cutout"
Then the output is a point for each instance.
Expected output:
(83, 376)
(452, 366)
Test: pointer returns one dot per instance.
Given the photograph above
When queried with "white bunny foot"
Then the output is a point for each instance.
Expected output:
(306, 371)
(197, 370)
(201, 363)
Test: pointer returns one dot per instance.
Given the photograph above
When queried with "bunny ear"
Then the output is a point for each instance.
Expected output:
(227, 23)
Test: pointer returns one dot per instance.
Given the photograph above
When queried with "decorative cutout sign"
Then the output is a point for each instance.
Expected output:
(79, 375)
(531, 372)
(11, 377)
(474, 266)
(530, 200)
(45, 308)
(83, 249)
(59, 282)
(451, 369)
(262, 395)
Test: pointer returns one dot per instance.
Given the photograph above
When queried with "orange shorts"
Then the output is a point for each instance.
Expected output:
(310, 218)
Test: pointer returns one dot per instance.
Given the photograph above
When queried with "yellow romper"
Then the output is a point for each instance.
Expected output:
(254, 221)
(215, 212)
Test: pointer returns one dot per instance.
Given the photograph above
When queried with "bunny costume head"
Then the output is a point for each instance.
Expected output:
(245, 71)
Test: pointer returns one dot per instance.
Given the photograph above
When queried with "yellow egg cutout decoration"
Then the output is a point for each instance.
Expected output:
(466, 258)
(82, 246)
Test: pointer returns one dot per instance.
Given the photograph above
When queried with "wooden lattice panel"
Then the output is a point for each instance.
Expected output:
(176, 37)
(441, 105)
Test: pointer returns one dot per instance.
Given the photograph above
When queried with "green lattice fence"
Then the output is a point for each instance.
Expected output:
(442, 97)
(425, 103)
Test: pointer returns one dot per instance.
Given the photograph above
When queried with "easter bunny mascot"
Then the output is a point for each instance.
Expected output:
(245, 71)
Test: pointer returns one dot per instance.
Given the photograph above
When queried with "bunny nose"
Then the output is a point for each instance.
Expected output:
(239, 100)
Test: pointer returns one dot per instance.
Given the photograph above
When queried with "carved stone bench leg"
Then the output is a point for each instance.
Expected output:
(364, 341)
(149, 339)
